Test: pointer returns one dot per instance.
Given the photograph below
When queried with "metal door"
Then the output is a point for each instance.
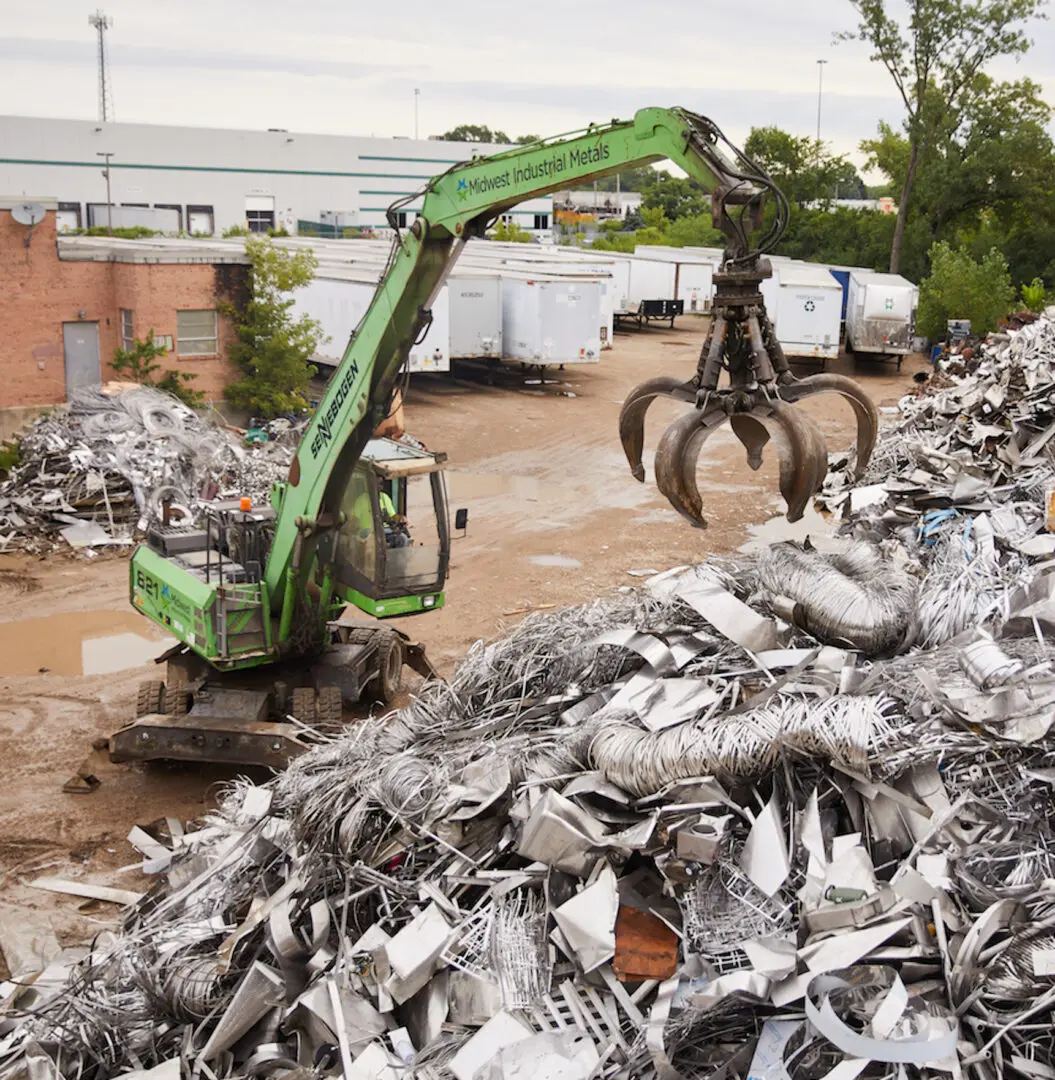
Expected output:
(80, 342)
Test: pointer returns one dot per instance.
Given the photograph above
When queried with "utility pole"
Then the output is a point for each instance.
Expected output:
(109, 201)
(102, 23)
(417, 94)
(820, 88)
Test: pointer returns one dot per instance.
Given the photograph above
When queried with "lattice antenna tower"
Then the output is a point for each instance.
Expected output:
(102, 22)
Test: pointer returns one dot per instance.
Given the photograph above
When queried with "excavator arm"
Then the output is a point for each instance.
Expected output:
(460, 204)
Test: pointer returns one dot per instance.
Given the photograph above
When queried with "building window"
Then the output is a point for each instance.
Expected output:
(177, 208)
(400, 218)
(259, 213)
(98, 217)
(201, 221)
(68, 216)
(196, 333)
(542, 221)
(128, 337)
(259, 221)
(138, 205)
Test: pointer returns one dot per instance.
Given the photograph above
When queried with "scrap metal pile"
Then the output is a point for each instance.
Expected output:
(772, 817)
(979, 436)
(96, 474)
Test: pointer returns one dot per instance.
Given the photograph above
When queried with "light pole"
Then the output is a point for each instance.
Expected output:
(820, 88)
(109, 202)
(417, 94)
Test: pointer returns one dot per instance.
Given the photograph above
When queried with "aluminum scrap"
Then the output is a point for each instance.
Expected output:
(110, 459)
(848, 833)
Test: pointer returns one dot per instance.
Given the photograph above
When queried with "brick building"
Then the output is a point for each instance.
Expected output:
(65, 308)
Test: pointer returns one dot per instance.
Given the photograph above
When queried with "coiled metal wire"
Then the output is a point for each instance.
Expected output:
(842, 730)
(857, 597)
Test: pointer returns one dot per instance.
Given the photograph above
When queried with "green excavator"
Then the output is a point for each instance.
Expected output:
(255, 595)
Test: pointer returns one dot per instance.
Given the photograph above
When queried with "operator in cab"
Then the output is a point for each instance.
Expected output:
(397, 534)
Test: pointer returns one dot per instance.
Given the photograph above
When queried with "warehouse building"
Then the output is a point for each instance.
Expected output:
(204, 180)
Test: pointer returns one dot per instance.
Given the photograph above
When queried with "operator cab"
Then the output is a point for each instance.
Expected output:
(394, 547)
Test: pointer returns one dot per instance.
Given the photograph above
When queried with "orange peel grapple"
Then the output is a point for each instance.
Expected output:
(758, 401)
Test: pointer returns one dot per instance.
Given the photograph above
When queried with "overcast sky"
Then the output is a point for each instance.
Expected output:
(542, 67)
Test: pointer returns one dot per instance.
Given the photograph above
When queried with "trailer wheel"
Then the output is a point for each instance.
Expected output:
(177, 700)
(849, 346)
(390, 661)
(329, 709)
(150, 699)
(303, 704)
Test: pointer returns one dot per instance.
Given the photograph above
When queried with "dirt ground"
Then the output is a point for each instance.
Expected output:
(554, 518)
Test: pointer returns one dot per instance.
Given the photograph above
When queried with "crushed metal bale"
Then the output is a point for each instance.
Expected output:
(748, 820)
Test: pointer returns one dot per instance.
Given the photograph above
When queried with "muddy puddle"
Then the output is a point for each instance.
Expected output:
(79, 643)
(812, 523)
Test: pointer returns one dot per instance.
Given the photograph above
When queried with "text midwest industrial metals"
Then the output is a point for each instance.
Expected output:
(551, 167)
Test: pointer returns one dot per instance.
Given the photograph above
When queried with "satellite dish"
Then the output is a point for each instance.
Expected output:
(28, 213)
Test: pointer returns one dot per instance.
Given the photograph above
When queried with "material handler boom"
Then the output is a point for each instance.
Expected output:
(311, 557)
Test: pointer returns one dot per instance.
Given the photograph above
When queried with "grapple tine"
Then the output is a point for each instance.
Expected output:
(801, 449)
(864, 410)
(676, 457)
(819, 453)
(632, 415)
(803, 466)
(752, 433)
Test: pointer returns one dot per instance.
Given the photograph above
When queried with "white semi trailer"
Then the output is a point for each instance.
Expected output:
(806, 311)
(880, 314)
(551, 321)
(693, 274)
(475, 302)
(338, 298)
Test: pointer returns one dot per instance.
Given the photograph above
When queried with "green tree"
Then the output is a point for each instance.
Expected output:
(988, 180)
(654, 217)
(676, 196)
(695, 231)
(933, 61)
(616, 241)
(526, 140)
(959, 287)
(478, 133)
(887, 153)
(511, 231)
(1034, 295)
(632, 221)
(272, 348)
(140, 364)
(802, 168)
(780, 153)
